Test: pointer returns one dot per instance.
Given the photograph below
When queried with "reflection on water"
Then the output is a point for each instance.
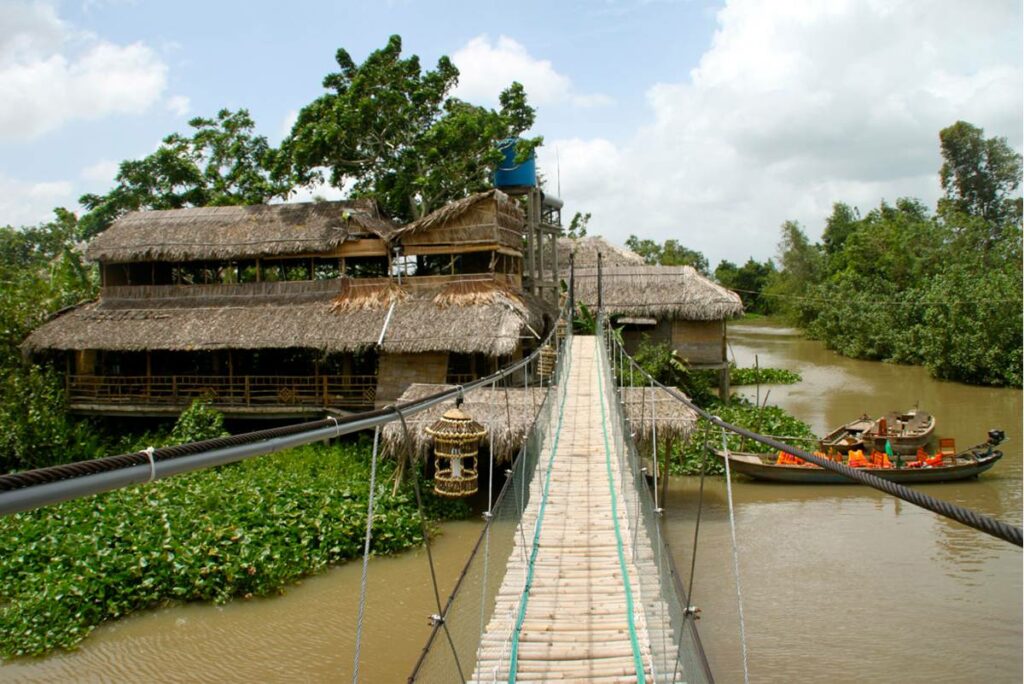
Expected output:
(840, 583)
(843, 583)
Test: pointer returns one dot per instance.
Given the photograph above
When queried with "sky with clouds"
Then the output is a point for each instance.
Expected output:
(707, 122)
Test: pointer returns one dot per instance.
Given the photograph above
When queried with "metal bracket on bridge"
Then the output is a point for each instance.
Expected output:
(435, 620)
(692, 611)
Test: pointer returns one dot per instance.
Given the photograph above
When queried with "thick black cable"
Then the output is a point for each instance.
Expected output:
(979, 521)
(68, 471)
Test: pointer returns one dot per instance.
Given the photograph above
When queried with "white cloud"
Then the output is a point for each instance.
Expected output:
(51, 74)
(25, 203)
(101, 173)
(179, 104)
(486, 68)
(795, 106)
(289, 121)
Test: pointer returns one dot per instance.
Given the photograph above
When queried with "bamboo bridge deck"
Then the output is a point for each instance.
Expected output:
(576, 624)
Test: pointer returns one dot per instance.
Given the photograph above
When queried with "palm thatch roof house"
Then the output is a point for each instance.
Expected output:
(671, 304)
(287, 310)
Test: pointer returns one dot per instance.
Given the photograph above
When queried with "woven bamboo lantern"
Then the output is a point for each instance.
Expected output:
(546, 361)
(560, 329)
(456, 444)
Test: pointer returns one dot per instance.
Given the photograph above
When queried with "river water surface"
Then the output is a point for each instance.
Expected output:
(840, 583)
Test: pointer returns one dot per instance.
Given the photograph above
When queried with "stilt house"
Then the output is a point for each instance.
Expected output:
(673, 304)
(292, 309)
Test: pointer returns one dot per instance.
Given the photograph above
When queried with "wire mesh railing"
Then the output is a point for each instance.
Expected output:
(484, 610)
(473, 605)
(676, 652)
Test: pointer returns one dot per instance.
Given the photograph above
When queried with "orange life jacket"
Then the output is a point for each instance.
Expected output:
(856, 459)
(880, 459)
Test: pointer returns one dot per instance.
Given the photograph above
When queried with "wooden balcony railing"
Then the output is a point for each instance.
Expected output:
(136, 294)
(342, 391)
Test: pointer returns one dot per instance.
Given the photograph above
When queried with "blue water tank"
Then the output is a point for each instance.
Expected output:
(513, 175)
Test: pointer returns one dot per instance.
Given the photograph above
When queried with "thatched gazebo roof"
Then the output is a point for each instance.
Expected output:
(484, 217)
(675, 292)
(586, 250)
(490, 320)
(238, 232)
(508, 414)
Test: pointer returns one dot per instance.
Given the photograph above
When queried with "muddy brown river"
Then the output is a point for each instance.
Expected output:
(839, 583)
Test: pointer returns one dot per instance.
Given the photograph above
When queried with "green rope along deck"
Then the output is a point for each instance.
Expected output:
(637, 659)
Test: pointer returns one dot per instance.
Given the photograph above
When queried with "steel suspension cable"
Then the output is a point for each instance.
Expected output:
(979, 521)
(735, 559)
(426, 542)
(366, 554)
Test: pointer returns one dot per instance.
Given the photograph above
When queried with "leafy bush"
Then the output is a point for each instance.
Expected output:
(240, 531)
(765, 376)
(36, 430)
(198, 422)
(771, 420)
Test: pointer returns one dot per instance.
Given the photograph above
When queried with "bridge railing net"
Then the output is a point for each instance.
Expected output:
(676, 651)
(471, 610)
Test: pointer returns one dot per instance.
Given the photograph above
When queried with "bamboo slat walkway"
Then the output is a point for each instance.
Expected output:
(576, 622)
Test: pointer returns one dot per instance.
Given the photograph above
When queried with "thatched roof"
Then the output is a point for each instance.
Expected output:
(492, 323)
(676, 292)
(206, 233)
(586, 250)
(493, 409)
(484, 217)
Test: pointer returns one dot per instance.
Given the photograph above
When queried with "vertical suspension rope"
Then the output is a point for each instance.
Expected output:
(426, 540)
(735, 557)
(366, 554)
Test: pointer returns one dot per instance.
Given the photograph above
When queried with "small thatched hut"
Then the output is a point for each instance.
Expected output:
(286, 310)
(670, 304)
(508, 414)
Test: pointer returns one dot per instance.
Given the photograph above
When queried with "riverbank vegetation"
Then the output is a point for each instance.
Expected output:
(243, 530)
(905, 284)
(689, 457)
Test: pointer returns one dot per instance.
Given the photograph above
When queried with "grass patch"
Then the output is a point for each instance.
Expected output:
(242, 530)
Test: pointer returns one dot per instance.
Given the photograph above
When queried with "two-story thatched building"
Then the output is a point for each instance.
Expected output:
(286, 310)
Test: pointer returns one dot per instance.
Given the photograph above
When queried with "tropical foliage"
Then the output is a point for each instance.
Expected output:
(901, 284)
(238, 531)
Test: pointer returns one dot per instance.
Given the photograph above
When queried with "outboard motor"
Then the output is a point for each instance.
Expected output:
(996, 437)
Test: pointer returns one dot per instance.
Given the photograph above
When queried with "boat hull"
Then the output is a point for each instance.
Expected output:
(752, 466)
(902, 441)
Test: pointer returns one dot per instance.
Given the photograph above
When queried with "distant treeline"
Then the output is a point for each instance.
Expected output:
(902, 283)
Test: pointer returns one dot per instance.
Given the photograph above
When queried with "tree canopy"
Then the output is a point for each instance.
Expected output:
(901, 284)
(671, 253)
(392, 131)
(222, 163)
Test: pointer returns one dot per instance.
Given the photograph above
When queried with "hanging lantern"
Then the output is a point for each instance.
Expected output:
(561, 327)
(546, 361)
(456, 443)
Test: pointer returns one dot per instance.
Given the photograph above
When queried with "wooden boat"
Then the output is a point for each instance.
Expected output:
(907, 432)
(846, 437)
(961, 466)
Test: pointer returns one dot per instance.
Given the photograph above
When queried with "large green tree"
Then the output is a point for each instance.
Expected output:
(980, 175)
(222, 163)
(392, 131)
